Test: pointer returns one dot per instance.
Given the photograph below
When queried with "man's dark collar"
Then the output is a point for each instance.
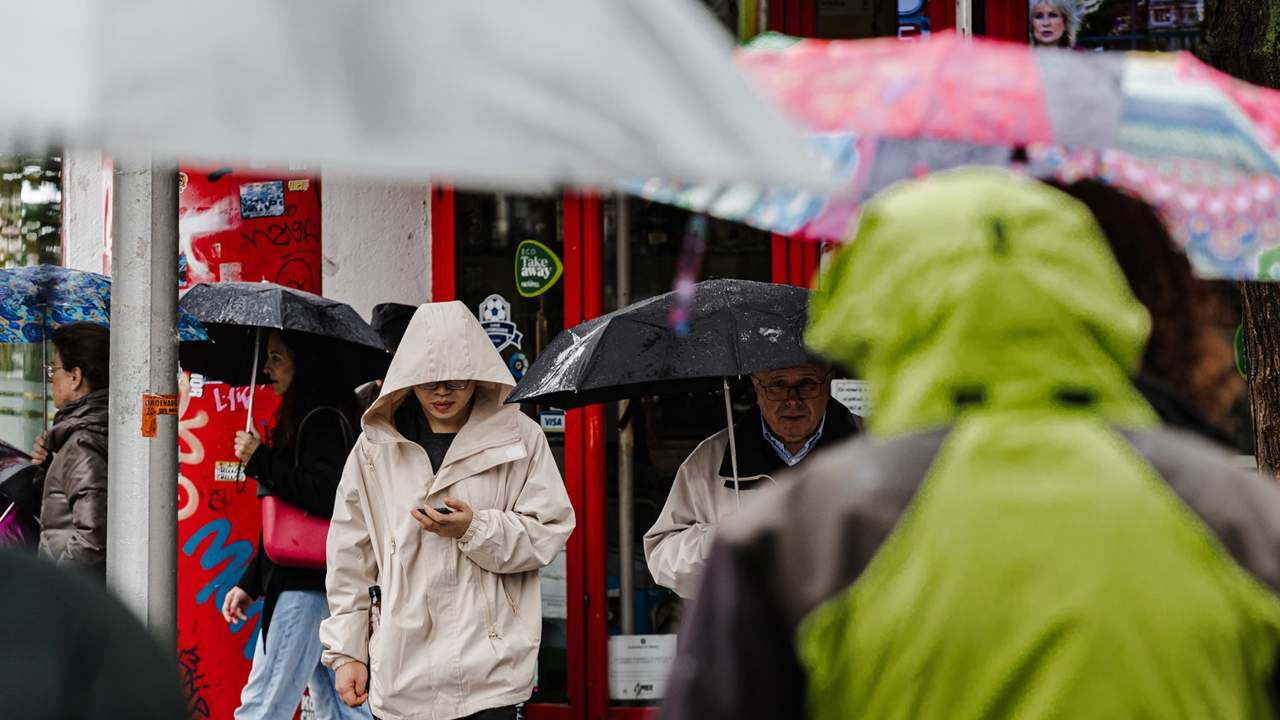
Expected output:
(757, 459)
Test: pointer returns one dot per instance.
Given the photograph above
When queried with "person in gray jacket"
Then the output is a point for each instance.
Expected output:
(73, 511)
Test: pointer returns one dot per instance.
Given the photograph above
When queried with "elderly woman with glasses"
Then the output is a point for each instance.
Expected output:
(73, 509)
(794, 416)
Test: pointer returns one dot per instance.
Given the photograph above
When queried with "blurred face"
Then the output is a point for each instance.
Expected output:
(65, 385)
(447, 404)
(793, 400)
(279, 368)
(1047, 24)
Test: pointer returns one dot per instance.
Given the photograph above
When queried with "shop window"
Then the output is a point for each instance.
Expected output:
(490, 231)
(30, 234)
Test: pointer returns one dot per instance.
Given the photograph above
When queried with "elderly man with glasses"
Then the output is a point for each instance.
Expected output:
(794, 416)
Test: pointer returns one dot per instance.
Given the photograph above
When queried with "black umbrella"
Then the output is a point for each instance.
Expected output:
(734, 328)
(235, 314)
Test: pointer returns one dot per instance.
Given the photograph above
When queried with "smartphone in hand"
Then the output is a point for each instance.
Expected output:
(443, 510)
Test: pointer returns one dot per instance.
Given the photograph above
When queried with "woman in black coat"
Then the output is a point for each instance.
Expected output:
(314, 432)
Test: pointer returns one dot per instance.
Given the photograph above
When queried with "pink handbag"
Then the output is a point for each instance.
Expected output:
(292, 536)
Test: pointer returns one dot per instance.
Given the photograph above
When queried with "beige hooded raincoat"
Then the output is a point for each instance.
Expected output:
(460, 619)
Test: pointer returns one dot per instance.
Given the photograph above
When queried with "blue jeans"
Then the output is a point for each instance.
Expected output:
(292, 662)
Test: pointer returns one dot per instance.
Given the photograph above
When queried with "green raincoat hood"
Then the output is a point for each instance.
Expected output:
(981, 287)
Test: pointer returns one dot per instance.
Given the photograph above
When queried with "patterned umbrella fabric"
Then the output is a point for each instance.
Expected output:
(34, 300)
(1203, 147)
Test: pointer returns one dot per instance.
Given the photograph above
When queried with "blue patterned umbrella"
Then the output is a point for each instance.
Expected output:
(35, 300)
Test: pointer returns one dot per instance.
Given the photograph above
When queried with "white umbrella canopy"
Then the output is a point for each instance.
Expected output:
(517, 95)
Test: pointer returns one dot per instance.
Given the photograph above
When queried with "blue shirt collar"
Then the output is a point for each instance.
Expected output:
(781, 449)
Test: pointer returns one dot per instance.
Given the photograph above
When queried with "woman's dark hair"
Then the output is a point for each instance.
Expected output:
(317, 381)
(1185, 350)
(88, 347)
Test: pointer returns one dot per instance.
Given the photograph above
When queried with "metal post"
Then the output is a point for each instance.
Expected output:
(626, 442)
(142, 523)
(964, 18)
(748, 16)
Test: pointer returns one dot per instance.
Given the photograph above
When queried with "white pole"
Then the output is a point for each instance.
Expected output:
(626, 443)
(142, 524)
(253, 380)
(964, 18)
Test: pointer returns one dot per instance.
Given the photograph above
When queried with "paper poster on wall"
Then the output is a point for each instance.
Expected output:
(262, 199)
(639, 666)
(852, 394)
(552, 580)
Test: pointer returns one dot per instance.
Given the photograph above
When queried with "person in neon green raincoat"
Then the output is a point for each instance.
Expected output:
(1016, 537)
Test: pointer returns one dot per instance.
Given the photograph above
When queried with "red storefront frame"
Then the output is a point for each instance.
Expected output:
(794, 262)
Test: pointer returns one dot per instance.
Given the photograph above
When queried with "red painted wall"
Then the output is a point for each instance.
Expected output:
(231, 227)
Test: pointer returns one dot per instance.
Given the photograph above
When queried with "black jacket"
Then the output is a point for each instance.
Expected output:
(1176, 410)
(311, 484)
(69, 651)
(757, 458)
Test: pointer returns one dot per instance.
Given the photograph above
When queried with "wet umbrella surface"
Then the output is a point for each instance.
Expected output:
(735, 327)
(238, 314)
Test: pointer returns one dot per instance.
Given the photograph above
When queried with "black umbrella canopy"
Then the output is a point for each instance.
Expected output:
(236, 314)
(736, 327)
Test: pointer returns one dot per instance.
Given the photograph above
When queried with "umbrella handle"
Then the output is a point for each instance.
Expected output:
(733, 444)
(44, 378)
(248, 418)
(253, 380)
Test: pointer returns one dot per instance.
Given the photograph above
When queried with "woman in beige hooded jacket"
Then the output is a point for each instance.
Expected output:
(460, 616)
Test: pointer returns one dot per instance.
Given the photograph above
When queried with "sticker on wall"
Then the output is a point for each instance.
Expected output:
(518, 363)
(197, 385)
(228, 471)
(230, 272)
(537, 268)
(301, 185)
(495, 318)
(853, 394)
(552, 420)
(262, 199)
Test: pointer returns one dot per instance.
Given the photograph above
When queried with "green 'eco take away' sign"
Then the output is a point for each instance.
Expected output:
(537, 268)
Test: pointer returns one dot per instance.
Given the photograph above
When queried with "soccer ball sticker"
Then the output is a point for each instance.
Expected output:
(495, 318)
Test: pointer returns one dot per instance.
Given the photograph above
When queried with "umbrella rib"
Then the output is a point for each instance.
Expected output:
(580, 382)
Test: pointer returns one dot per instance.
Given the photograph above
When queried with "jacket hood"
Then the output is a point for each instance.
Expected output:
(981, 288)
(88, 414)
(443, 341)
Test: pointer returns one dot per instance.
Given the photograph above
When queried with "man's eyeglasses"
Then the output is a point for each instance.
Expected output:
(49, 369)
(448, 384)
(804, 389)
